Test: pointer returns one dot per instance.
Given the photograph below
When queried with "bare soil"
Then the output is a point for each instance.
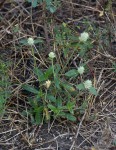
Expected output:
(96, 130)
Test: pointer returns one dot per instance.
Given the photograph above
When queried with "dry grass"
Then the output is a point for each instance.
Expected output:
(97, 128)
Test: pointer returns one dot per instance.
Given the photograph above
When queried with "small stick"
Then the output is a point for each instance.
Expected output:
(77, 133)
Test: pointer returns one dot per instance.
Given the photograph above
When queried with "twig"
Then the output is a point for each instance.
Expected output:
(87, 7)
(77, 133)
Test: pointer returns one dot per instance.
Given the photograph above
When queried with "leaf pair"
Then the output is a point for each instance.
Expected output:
(92, 90)
(72, 73)
(43, 76)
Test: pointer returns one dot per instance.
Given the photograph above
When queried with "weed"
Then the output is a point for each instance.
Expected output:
(56, 96)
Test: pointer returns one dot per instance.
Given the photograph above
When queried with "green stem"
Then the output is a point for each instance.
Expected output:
(32, 49)
(53, 68)
(45, 98)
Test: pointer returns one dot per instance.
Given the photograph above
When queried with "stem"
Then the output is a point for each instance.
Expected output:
(32, 49)
(53, 68)
(45, 97)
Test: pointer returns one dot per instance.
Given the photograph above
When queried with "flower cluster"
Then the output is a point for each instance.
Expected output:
(52, 55)
(84, 37)
(88, 84)
(30, 41)
(81, 70)
(47, 84)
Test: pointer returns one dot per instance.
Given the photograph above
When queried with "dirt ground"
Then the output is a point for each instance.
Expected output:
(89, 133)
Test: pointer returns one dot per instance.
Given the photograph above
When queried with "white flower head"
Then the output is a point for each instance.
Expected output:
(81, 70)
(47, 84)
(52, 55)
(88, 84)
(30, 41)
(64, 24)
(84, 37)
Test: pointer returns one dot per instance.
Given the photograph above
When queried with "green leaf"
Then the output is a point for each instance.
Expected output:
(33, 2)
(36, 41)
(48, 72)
(70, 117)
(40, 74)
(57, 82)
(51, 98)
(23, 42)
(33, 102)
(93, 91)
(59, 103)
(30, 88)
(68, 87)
(57, 68)
(52, 9)
(80, 86)
(71, 73)
(70, 106)
(48, 2)
(53, 108)
(38, 115)
(82, 52)
(83, 107)
(66, 51)
(61, 114)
